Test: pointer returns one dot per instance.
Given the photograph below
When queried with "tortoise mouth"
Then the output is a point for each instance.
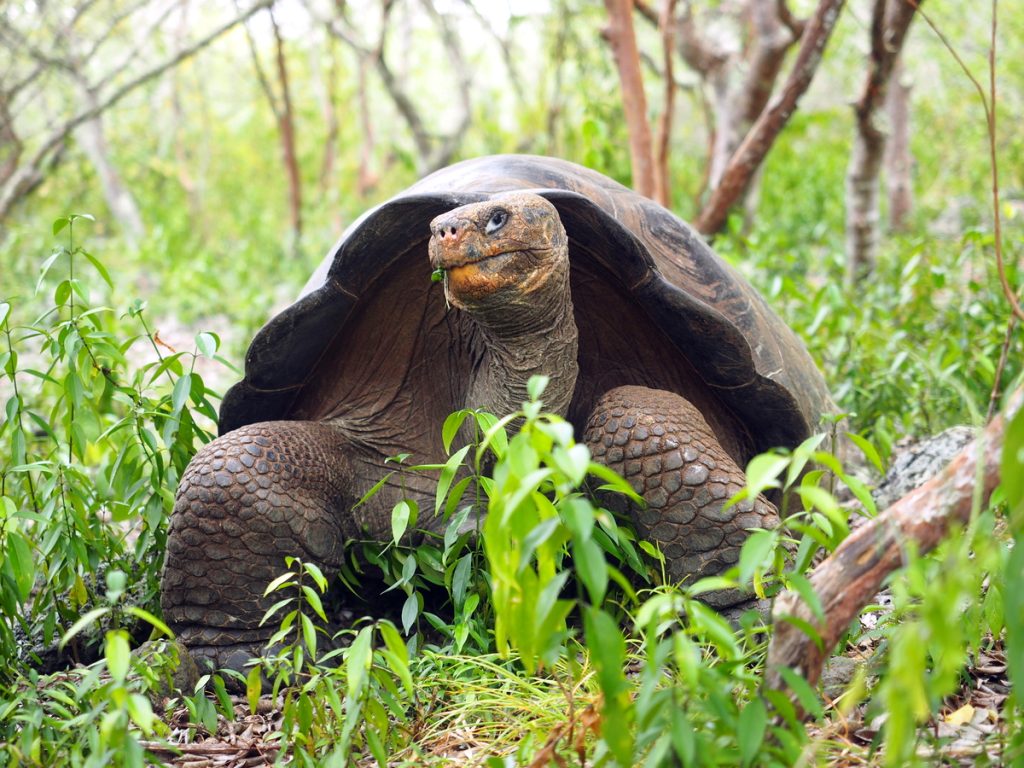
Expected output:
(469, 279)
(470, 256)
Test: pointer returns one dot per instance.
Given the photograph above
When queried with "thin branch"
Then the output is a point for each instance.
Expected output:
(8, 193)
(261, 73)
(795, 25)
(621, 36)
(751, 153)
(662, 187)
(990, 120)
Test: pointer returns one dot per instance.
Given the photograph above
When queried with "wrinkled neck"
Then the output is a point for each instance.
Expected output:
(532, 335)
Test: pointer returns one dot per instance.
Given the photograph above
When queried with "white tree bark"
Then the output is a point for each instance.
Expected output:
(120, 201)
(898, 160)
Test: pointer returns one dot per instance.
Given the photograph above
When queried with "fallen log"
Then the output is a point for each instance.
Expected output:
(851, 576)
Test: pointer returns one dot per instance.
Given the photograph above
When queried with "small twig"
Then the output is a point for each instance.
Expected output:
(994, 397)
(989, 105)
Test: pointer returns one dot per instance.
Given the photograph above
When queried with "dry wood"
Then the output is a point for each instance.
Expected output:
(622, 37)
(751, 153)
(849, 579)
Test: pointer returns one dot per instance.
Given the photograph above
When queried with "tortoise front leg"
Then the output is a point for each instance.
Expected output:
(667, 451)
(247, 500)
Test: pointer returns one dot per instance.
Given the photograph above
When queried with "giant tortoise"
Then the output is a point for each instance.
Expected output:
(668, 364)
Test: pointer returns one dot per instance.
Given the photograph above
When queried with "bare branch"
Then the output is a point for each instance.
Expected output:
(751, 153)
(662, 186)
(13, 189)
(890, 21)
(795, 25)
(620, 34)
(442, 155)
(503, 45)
(261, 73)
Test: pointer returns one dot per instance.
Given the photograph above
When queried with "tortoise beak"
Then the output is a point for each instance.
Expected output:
(454, 241)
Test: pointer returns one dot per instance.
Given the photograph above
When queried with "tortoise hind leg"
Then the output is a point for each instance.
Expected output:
(247, 500)
(670, 455)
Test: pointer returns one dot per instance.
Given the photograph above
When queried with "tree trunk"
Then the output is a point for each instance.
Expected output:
(662, 179)
(329, 111)
(120, 201)
(890, 21)
(851, 576)
(898, 160)
(286, 119)
(48, 151)
(751, 153)
(622, 37)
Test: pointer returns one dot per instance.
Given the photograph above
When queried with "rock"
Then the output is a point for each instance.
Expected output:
(914, 463)
(173, 669)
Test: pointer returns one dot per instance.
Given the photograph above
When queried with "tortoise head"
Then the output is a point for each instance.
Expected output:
(500, 250)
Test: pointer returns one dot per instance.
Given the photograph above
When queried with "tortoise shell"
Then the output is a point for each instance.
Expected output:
(370, 338)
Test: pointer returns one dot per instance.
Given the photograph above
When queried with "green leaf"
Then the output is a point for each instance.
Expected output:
(1012, 470)
(801, 455)
(869, 451)
(536, 385)
(1013, 613)
(141, 712)
(410, 610)
(59, 224)
(118, 654)
(358, 661)
(80, 624)
(373, 491)
(444, 481)
(308, 633)
(588, 557)
(149, 618)
(46, 267)
(314, 572)
(279, 583)
(802, 586)
(400, 515)
(451, 427)
(62, 293)
(313, 601)
(715, 628)
(763, 471)
(756, 553)
(804, 692)
(573, 462)
(460, 579)
(19, 553)
(179, 397)
(750, 730)
(253, 688)
(207, 343)
(98, 265)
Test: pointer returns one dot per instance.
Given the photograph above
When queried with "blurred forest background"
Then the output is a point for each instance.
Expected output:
(837, 153)
(224, 147)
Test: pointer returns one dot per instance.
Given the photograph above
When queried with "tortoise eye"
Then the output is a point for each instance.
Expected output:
(496, 222)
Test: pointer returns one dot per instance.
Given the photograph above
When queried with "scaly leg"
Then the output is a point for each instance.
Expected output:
(248, 500)
(663, 446)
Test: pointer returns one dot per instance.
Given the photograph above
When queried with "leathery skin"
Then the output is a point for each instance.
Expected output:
(664, 447)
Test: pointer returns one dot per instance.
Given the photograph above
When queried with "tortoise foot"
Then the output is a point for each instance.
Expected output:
(670, 455)
(247, 501)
